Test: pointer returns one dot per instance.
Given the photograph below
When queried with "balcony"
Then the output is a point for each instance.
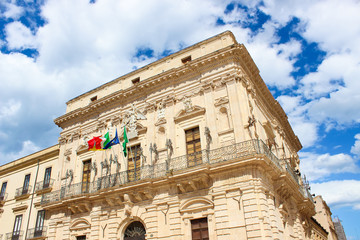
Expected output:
(36, 233)
(240, 152)
(22, 192)
(14, 235)
(43, 187)
(2, 200)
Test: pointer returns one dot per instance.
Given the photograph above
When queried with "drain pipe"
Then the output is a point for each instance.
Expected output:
(32, 198)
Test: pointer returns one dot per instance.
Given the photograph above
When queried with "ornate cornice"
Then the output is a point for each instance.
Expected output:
(234, 53)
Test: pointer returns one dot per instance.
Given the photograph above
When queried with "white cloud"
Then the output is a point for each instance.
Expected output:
(18, 36)
(13, 11)
(28, 147)
(9, 108)
(319, 166)
(339, 193)
(355, 149)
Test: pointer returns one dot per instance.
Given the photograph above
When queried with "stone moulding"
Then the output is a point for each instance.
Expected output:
(183, 115)
(196, 204)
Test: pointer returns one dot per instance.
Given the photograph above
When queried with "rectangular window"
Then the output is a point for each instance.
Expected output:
(134, 163)
(3, 189)
(136, 80)
(193, 146)
(81, 237)
(26, 184)
(47, 177)
(86, 176)
(17, 227)
(39, 223)
(199, 229)
(186, 59)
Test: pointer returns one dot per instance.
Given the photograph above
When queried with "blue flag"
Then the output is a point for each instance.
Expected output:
(113, 141)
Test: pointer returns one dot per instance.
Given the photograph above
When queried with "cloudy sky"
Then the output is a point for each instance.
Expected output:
(308, 53)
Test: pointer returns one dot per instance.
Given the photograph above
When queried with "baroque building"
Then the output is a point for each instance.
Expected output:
(211, 155)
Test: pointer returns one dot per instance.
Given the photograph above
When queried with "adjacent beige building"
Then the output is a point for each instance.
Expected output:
(211, 155)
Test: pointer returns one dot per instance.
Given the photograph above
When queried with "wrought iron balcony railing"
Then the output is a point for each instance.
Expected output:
(168, 166)
(36, 232)
(3, 199)
(23, 191)
(44, 185)
(17, 235)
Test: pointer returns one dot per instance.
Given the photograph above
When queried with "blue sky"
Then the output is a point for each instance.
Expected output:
(308, 53)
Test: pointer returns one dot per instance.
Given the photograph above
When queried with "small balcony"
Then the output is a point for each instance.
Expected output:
(17, 235)
(2, 200)
(23, 192)
(44, 186)
(36, 233)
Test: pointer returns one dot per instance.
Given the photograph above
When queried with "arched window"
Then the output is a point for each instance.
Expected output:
(135, 231)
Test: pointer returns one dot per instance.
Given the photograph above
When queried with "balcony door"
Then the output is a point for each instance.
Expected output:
(86, 176)
(134, 163)
(193, 147)
(47, 177)
(26, 184)
(39, 223)
(17, 226)
(3, 189)
(199, 229)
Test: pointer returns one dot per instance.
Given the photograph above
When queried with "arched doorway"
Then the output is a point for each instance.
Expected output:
(135, 231)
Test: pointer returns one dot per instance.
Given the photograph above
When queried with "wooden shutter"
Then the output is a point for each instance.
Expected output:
(134, 163)
(199, 229)
(86, 176)
(193, 146)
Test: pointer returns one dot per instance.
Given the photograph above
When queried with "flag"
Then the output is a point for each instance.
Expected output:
(113, 141)
(95, 143)
(106, 141)
(126, 140)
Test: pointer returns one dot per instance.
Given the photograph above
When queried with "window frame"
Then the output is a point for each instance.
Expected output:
(194, 157)
(3, 190)
(86, 176)
(134, 162)
(202, 230)
(26, 184)
(17, 227)
(47, 177)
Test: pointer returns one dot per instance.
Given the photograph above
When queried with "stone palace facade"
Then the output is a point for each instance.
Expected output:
(211, 155)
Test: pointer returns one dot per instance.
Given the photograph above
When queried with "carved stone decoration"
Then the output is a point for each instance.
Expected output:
(131, 118)
(105, 164)
(161, 110)
(187, 104)
(62, 140)
(128, 205)
(153, 148)
(170, 149)
(67, 152)
(94, 169)
(143, 157)
(252, 123)
(69, 174)
(193, 112)
(208, 138)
